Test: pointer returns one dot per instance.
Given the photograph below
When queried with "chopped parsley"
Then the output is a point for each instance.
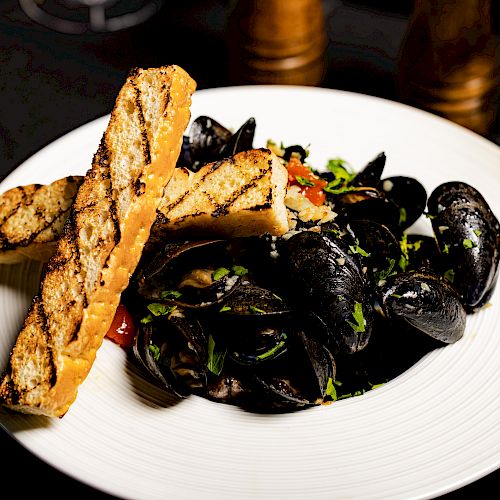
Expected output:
(239, 270)
(159, 309)
(254, 310)
(220, 273)
(224, 309)
(331, 188)
(402, 215)
(155, 350)
(405, 251)
(270, 352)
(170, 294)
(340, 169)
(446, 248)
(359, 326)
(215, 361)
(330, 389)
(303, 181)
(147, 319)
(357, 249)
(385, 273)
(468, 244)
(450, 275)
(477, 232)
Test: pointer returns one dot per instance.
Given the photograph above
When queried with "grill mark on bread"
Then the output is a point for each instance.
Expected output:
(223, 208)
(146, 150)
(41, 319)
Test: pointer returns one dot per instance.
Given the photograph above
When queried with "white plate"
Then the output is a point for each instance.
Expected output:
(431, 430)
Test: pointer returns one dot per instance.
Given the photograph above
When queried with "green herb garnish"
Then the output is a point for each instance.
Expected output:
(160, 309)
(270, 352)
(385, 273)
(220, 273)
(170, 294)
(303, 181)
(254, 310)
(477, 232)
(155, 350)
(331, 188)
(450, 275)
(340, 169)
(147, 319)
(330, 389)
(359, 326)
(215, 361)
(224, 309)
(468, 244)
(402, 215)
(357, 249)
(446, 248)
(239, 270)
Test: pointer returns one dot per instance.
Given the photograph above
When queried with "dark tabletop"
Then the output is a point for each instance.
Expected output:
(51, 83)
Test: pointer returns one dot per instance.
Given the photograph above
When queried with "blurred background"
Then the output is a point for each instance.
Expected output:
(62, 63)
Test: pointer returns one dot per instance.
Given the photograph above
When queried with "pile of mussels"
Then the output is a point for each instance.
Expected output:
(316, 315)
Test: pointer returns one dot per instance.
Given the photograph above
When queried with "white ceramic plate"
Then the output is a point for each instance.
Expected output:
(431, 430)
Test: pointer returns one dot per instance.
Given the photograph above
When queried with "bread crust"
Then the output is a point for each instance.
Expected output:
(101, 243)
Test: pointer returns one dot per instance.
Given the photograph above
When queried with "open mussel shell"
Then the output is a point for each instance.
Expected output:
(254, 301)
(173, 351)
(329, 281)
(241, 140)
(427, 302)
(468, 234)
(371, 174)
(367, 203)
(186, 274)
(203, 143)
(285, 385)
(423, 252)
(409, 196)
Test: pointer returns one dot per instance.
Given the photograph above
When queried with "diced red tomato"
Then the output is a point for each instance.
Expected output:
(315, 192)
(122, 330)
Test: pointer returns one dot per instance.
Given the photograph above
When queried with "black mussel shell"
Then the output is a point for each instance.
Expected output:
(297, 150)
(173, 351)
(328, 280)
(229, 387)
(371, 174)
(468, 234)
(409, 195)
(298, 379)
(203, 143)
(427, 302)
(241, 140)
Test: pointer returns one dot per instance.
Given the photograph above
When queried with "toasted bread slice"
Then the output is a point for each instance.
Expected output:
(101, 243)
(32, 218)
(239, 196)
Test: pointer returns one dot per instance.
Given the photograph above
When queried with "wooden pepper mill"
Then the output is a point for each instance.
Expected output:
(277, 42)
(447, 63)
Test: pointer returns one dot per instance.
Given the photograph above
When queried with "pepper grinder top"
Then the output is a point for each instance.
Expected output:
(447, 62)
(277, 42)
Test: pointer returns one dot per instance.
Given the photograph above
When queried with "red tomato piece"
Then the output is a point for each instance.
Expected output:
(310, 184)
(122, 330)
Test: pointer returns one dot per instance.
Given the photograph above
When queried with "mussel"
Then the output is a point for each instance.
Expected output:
(468, 234)
(209, 141)
(427, 302)
(329, 280)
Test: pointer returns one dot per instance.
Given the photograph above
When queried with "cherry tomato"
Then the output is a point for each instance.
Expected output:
(311, 185)
(122, 330)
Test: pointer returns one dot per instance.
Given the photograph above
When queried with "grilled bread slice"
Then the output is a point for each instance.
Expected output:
(32, 218)
(239, 196)
(101, 243)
